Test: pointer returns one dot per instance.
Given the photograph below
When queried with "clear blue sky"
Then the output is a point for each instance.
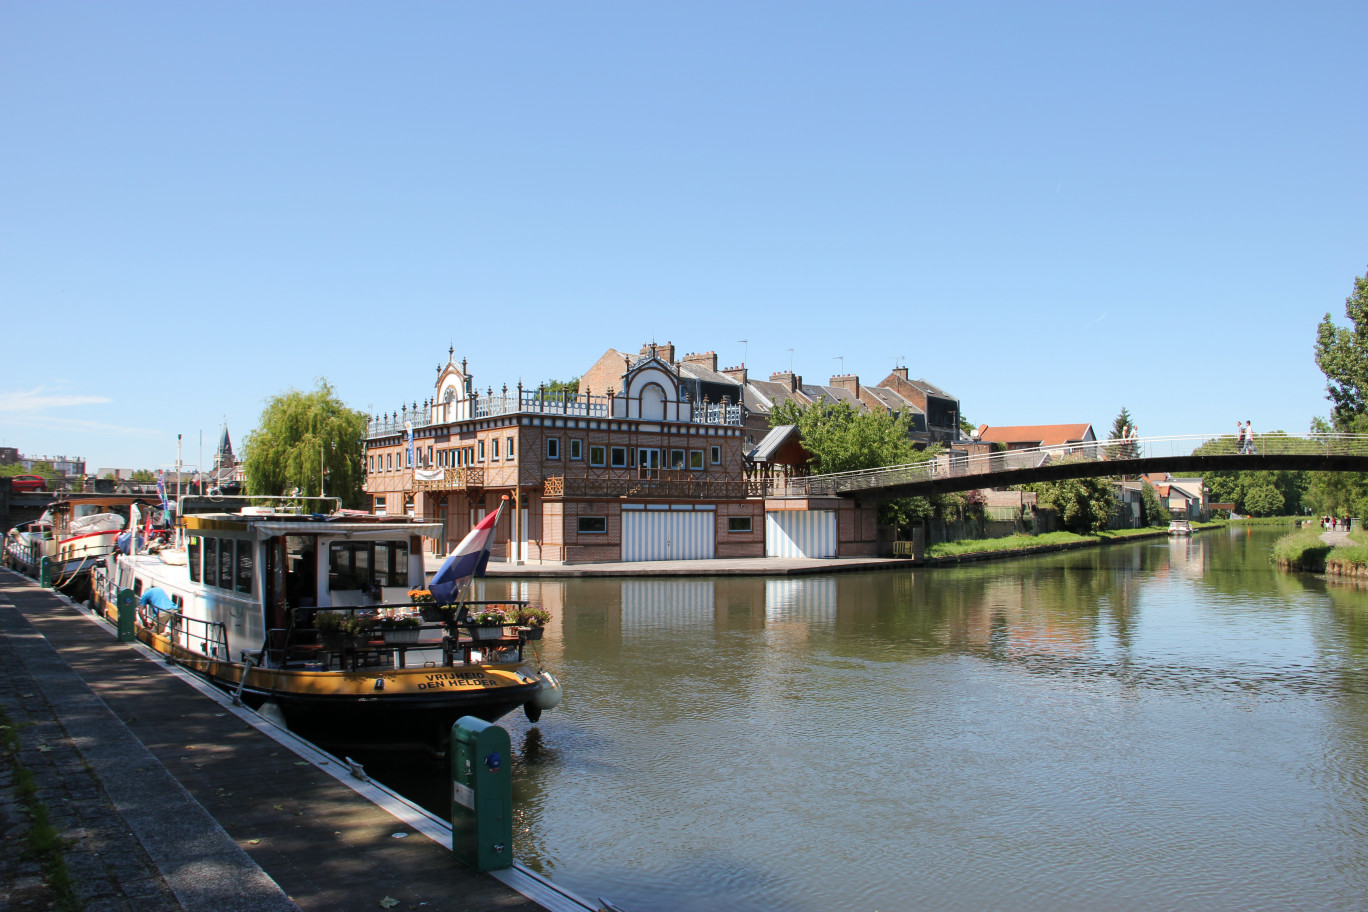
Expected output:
(1050, 210)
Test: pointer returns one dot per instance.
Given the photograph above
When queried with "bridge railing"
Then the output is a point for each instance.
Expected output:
(950, 466)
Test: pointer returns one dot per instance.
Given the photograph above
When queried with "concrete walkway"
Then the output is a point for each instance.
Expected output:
(170, 798)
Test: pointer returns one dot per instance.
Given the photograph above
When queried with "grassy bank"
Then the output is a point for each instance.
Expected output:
(1048, 541)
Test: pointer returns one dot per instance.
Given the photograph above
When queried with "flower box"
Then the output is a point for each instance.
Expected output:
(402, 635)
(486, 633)
(530, 633)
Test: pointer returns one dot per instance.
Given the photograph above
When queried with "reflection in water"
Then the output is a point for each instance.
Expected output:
(1169, 724)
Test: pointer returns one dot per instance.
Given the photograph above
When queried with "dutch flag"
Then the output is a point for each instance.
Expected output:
(467, 561)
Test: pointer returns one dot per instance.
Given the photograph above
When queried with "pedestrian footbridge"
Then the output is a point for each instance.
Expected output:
(1191, 455)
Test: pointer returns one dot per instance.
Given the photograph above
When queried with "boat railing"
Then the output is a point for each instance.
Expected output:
(209, 638)
(302, 645)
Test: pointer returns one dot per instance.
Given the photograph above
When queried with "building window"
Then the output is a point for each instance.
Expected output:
(379, 505)
(619, 457)
(738, 524)
(494, 449)
(676, 459)
(553, 448)
(593, 525)
(597, 455)
(716, 455)
(408, 505)
(695, 459)
(389, 461)
(479, 451)
(429, 456)
(508, 451)
(576, 449)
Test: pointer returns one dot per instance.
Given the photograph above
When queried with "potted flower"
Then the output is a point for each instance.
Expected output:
(530, 619)
(329, 627)
(427, 605)
(401, 629)
(486, 624)
(359, 628)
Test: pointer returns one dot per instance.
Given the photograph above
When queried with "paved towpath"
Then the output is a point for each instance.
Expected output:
(172, 799)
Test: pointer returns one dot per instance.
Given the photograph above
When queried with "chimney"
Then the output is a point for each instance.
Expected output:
(847, 381)
(900, 373)
(704, 359)
(789, 378)
(665, 352)
(736, 373)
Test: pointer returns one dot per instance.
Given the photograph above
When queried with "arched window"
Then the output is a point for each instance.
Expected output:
(652, 402)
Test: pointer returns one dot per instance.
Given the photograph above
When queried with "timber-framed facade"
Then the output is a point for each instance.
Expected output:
(637, 471)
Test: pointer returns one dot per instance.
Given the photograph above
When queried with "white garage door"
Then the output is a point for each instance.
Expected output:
(668, 535)
(800, 533)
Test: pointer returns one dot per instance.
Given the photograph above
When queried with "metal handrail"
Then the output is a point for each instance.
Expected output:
(951, 466)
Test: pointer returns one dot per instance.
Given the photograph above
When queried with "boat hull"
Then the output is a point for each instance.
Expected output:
(380, 706)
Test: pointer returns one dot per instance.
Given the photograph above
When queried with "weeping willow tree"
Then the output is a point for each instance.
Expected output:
(307, 442)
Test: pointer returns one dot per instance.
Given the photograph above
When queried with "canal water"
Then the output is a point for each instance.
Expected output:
(1170, 724)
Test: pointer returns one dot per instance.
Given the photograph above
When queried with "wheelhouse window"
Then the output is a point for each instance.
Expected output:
(598, 455)
(593, 525)
(619, 456)
(211, 562)
(245, 563)
(192, 554)
(225, 555)
(366, 566)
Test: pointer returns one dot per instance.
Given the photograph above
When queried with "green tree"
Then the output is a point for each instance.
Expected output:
(841, 439)
(1084, 505)
(1263, 500)
(1120, 428)
(300, 436)
(1235, 487)
(1121, 425)
(1156, 514)
(570, 387)
(1342, 355)
(143, 476)
(1338, 493)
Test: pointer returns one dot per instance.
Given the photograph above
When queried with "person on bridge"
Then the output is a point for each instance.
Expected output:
(1249, 439)
(1239, 444)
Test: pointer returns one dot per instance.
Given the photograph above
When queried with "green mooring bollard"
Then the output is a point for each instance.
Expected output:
(127, 604)
(45, 572)
(481, 795)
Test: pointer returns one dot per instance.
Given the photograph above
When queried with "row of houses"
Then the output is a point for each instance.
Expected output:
(652, 458)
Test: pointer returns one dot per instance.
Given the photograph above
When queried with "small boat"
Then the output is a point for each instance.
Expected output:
(310, 615)
(74, 533)
(87, 527)
(1179, 527)
(28, 543)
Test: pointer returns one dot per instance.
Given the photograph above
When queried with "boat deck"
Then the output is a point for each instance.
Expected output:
(225, 811)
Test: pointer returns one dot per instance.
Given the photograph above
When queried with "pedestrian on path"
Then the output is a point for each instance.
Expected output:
(1239, 443)
(1249, 439)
